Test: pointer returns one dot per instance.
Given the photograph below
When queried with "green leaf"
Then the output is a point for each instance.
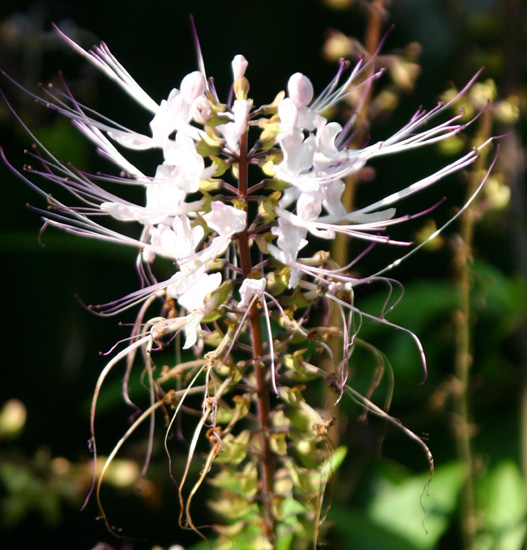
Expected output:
(415, 512)
(357, 531)
(291, 507)
(234, 448)
(498, 294)
(267, 207)
(278, 443)
(334, 462)
(504, 507)
(422, 302)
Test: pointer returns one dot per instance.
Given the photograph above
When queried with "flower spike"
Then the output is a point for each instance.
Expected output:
(236, 274)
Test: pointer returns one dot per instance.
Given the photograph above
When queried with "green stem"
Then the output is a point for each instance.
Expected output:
(463, 349)
(262, 391)
(463, 363)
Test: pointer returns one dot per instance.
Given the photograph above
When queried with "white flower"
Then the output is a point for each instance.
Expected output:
(288, 113)
(309, 204)
(190, 220)
(193, 86)
(201, 110)
(249, 289)
(164, 195)
(188, 239)
(300, 92)
(176, 112)
(291, 239)
(298, 153)
(173, 114)
(233, 131)
(225, 220)
(187, 167)
(193, 298)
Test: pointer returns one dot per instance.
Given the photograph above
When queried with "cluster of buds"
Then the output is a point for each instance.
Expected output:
(239, 205)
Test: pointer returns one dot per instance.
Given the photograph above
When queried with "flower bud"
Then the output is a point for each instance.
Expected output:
(508, 110)
(483, 93)
(337, 46)
(192, 86)
(12, 419)
(239, 66)
(300, 89)
(241, 88)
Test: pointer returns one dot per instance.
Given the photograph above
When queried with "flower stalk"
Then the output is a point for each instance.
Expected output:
(262, 391)
(463, 357)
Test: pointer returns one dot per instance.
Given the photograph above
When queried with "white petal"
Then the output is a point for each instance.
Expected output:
(132, 140)
(249, 289)
(300, 89)
(288, 113)
(239, 66)
(192, 86)
(225, 220)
